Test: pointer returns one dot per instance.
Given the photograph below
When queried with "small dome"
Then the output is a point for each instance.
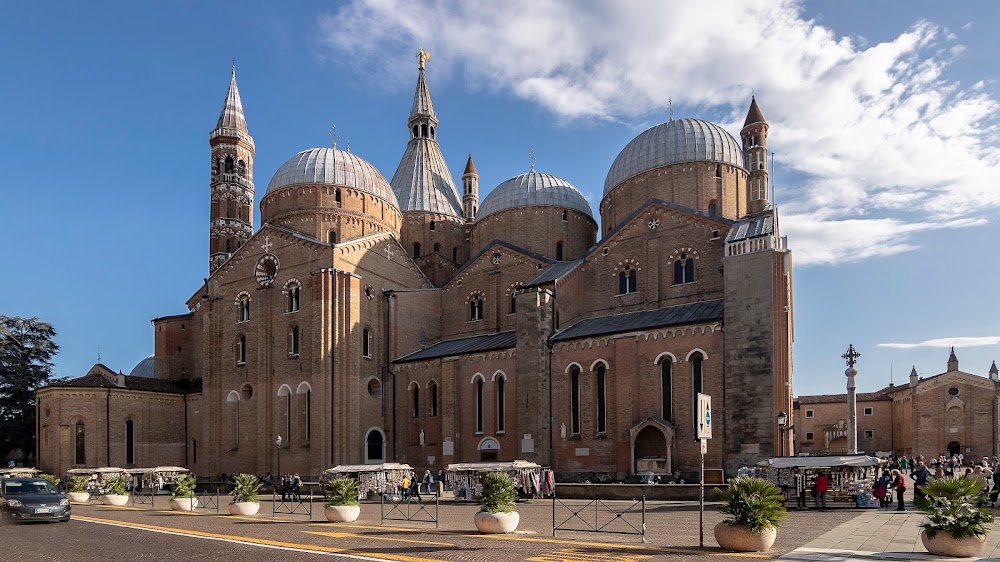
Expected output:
(144, 368)
(673, 142)
(533, 189)
(330, 166)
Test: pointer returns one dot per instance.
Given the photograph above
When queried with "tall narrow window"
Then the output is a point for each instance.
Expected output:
(375, 445)
(627, 281)
(229, 164)
(331, 237)
(437, 248)
(696, 381)
(309, 405)
(602, 406)
(245, 309)
(433, 225)
(513, 302)
(293, 298)
(501, 397)
(476, 309)
(366, 343)
(718, 170)
(336, 196)
(415, 410)
(288, 415)
(666, 405)
(294, 351)
(479, 405)
(683, 270)
(241, 350)
(565, 215)
(416, 249)
(574, 384)
(559, 251)
(79, 444)
(129, 442)
(241, 168)
(194, 451)
(711, 208)
(454, 254)
(434, 399)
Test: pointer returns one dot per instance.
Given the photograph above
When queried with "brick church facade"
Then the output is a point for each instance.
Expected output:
(369, 320)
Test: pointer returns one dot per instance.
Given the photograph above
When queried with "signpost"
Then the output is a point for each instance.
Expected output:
(703, 433)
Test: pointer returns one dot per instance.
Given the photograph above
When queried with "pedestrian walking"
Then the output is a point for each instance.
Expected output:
(821, 485)
(899, 485)
(296, 487)
(919, 475)
(405, 487)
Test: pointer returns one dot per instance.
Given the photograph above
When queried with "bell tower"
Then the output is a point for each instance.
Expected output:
(470, 190)
(231, 185)
(754, 136)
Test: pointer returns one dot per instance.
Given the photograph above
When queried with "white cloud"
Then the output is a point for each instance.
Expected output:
(872, 141)
(948, 342)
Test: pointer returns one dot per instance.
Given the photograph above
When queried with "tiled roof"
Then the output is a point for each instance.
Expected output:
(835, 398)
(462, 346)
(754, 115)
(704, 311)
(96, 380)
(553, 272)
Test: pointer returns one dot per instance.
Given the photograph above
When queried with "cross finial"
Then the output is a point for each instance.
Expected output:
(348, 145)
(333, 135)
(234, 65)
(531, 154)
(851, 356)
(423, 56)
(670, 107)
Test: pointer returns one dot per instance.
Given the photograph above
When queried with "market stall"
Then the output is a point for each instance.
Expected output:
(531, 480)
(97, 477)
(156, 479)
(374, 479)
(851, 477)
(19, 472)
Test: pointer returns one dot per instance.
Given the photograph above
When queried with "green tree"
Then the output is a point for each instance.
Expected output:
(26, 351)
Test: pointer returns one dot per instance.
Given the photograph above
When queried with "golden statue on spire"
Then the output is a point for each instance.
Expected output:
(423, 56)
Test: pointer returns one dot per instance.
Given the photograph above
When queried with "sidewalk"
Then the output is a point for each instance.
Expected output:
(879, 535)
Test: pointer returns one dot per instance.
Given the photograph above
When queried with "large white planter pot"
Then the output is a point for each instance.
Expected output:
(244, 508)
(78, 497)
(944, 543)
(742, 539)
(183, 504)
(343, 513)
(494, 523)
(114, 499)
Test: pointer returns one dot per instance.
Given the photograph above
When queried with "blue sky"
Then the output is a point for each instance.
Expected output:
(883, 124)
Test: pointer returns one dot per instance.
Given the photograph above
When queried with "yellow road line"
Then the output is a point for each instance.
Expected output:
(357, 536)
(254, 540)
(574, 555)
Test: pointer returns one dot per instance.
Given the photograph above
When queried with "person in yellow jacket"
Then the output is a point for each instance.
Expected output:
(405, 486)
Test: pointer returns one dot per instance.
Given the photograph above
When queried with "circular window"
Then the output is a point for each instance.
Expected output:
(953, 391)
(369, 292)
(267, 269)
(496, 259)
(374, 387)
(246, 392)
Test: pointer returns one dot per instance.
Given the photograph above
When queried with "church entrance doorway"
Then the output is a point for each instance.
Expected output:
(489, 450)
(374, 446)
(954, 449)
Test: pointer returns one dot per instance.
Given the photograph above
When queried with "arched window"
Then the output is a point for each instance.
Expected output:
(602, 407)
(244, 309)
(627, 281)
(416, 249)
(366, 343)
(559, 251)
(79, 448)
(718, 170)
(666, 405)
(415, 401)
(565, 215)
(683, 270)
(476, 309)
(337, 196)
(303, 405)
(434, 399)
(218, 166)
(129, 441)
(454, 254)
(331, 237)
(433, 224)
(501, 397)
(293, 347)
(229, 246)
(513, 302)
(293, 298)
(423, 130)
(711, 208)
(437, 248)
(241, 169)
(479, 404)
(233, 420)
(374, 446)
(241, 350)
(574, 384)
(229, 164)
(697, 360)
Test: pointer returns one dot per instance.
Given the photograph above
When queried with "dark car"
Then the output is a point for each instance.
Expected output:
(32, 499)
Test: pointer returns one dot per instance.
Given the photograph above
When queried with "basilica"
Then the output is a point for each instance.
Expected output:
(369, 320)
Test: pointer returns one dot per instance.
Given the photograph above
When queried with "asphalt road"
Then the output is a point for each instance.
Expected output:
(108, 534)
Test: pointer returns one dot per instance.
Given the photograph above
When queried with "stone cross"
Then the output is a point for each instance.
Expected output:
(388, 251)
(851, 356)
(267, 245)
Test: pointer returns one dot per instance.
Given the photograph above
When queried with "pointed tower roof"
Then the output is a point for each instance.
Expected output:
(993, 370)
(231, 116)
(952, 361)
(422, 181)
(754, 115)
(470, 167)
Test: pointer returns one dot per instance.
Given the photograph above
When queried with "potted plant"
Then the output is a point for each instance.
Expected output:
(51, 480)
(342, 504)
(78, 490)
(115, 492)
(955, 524)
(245, 488)
(755, 508)
(496, 504)
(183, 490)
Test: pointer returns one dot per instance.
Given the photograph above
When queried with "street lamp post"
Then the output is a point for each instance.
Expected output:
(782, 420)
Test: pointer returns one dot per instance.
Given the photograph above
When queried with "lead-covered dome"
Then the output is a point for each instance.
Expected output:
(329, 166)
(145, 368)
(533, 189)
(673, 142)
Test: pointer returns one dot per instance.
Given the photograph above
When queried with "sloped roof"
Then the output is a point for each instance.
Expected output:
(553, 272)
(96, 380)
(691, 313)
(462, 346)
(860, 397)
(751, 227)
(754, 115)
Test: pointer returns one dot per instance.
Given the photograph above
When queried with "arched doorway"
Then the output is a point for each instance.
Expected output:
(838, 446)
(954, 448)
(651, 447)
(374, 446)
(489, 449)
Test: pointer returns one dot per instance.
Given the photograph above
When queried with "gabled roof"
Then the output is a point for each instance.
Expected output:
(838, 398)
(654, 201)
(692, 313)
(489, 247)
(553, 272)
(96, 380)
(462, 346)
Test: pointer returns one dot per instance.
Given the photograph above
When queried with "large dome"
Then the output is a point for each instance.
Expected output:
(533, 189)
(145, 368)
(673, 142)
(330, 166)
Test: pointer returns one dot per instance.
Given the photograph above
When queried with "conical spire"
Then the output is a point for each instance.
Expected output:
(952, 361)
(231, 116)
(993, 371)
(422, 106)
(754, 115)
(470, 167)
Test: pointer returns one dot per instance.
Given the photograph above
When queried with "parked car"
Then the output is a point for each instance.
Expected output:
(32, 499)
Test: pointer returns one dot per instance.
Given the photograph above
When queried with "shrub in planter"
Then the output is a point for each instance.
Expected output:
(755, 508)
(955, 525)
(185, 499)
(51, 480)
(245, 495)
(496, 504)
(77, 489)
(115, 492)
(342, 504)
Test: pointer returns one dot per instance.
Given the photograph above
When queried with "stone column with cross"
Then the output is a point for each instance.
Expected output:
(852, 402)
